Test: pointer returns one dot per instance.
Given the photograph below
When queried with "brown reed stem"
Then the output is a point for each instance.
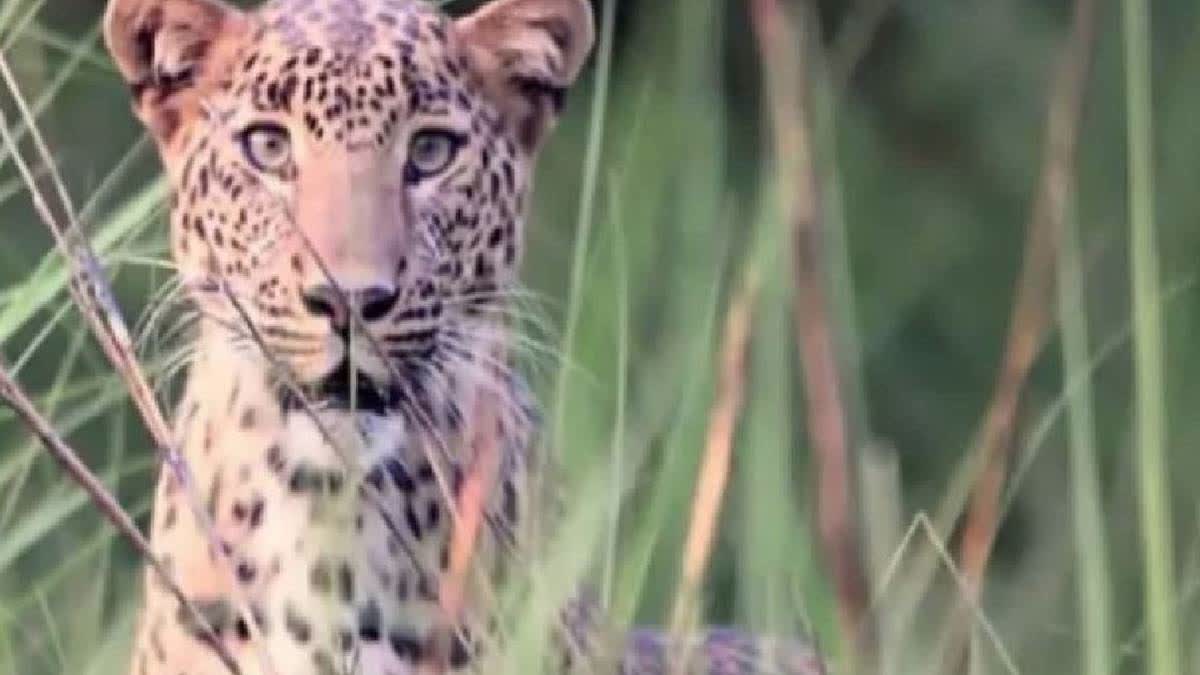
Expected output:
(1032, 308)
(16, 399)
(470, 506)
(718, 448)
(781, 47)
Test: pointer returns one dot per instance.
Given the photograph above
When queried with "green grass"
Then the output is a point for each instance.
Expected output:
(653, 200)
(1154, 491)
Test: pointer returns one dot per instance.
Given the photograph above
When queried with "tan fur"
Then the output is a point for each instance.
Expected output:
(544, 41)
(154, 42)
(322, 443)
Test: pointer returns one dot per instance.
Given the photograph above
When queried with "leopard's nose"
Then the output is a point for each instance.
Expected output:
(371, 303)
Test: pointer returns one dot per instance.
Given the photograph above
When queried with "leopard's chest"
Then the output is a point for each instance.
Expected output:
(338, 528)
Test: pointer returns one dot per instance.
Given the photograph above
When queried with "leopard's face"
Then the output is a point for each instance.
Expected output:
(359, 202)
(350, 176)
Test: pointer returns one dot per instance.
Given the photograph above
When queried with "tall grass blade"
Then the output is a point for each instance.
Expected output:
(586, 216)
(1154, 494)
(1091, 548)
(790, 96)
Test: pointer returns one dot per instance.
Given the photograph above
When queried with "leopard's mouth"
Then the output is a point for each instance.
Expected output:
(347, 388)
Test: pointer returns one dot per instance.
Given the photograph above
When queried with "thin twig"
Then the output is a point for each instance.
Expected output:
(718, 447)
(19, 402)
(786, 86)
(1031, 313)
(1032, 309)
(472, 503)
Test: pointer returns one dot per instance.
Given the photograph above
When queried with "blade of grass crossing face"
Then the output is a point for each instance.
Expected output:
(1154, 487)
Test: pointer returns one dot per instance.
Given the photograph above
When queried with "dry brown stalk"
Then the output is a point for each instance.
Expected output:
(1034, 302)
(471, 506)
(786, 82)
(16, 399)
(718, 448)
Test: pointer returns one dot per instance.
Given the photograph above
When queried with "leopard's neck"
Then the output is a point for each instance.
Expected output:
(337, 524)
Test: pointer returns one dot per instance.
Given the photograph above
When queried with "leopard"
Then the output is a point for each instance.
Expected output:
(349, 182)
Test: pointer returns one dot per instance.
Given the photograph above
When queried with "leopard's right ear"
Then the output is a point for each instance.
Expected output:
(170, 52)
(528, 53)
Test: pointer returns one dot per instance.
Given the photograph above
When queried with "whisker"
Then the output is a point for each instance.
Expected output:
(283, 333)
(523, 346)
(285, 350)
(163, 297)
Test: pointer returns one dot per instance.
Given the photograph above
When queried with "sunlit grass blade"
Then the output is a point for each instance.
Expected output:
(617, 471)
(1091, 548)
(666, 491)
(586, 215)
(1154, 489)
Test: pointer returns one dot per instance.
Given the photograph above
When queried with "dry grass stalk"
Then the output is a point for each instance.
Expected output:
(15, 397)
(718, 448)
(786, 81)
(92, 293)
(1032, 309)
(471, 508)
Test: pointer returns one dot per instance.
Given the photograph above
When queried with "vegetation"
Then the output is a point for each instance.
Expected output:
(1012, 321)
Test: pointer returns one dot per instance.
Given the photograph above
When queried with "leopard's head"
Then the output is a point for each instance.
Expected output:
(350, 176)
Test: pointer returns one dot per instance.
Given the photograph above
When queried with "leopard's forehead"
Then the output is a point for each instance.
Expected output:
(350, 71)
(353, 25)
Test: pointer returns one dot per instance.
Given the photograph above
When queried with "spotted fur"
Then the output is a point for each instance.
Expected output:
(352, 294)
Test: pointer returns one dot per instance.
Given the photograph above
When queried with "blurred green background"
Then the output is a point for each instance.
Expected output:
(928, 120)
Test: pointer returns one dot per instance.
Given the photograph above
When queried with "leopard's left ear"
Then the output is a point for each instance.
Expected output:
(528, 53)
(171, 53)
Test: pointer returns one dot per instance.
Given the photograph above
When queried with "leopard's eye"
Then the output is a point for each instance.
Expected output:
(267, 146)
(430, 152)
